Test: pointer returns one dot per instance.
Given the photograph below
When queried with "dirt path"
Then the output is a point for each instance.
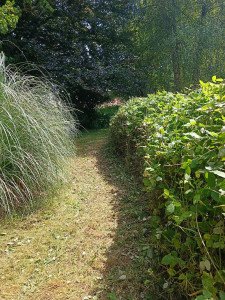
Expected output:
(83, 245)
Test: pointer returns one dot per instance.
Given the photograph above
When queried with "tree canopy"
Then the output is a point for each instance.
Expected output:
(179, 42)
(128, 48)
(84, 45)
(11, 10)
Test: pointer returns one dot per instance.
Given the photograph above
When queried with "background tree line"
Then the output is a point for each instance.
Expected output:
(125, 48)
(179, 42)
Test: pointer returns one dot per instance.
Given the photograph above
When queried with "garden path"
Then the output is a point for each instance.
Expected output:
(83, 244)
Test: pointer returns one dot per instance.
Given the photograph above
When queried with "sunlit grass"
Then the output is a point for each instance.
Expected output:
(79, 246)
(36, 138)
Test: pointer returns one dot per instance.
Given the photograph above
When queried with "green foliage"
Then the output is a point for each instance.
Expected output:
(36, 138)
(178, 42)
(112, 296)
(83, 45)
(9, 16)
(102, 116)
(11, 11)
(176, 144)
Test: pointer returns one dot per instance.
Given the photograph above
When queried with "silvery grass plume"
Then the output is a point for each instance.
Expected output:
(36, 138)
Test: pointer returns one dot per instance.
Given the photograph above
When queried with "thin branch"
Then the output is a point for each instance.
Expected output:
(180, 164)
(203, 243)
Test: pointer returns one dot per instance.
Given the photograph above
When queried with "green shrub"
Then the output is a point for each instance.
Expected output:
(102, 116)
(36, 130)
(176, 143)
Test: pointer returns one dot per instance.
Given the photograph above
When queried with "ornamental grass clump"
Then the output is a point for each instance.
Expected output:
(36, 138)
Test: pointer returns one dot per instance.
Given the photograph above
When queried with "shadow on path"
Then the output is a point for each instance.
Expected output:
(128, 260)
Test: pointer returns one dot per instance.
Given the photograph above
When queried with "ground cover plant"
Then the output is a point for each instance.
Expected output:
(175, 144)
(36, 130)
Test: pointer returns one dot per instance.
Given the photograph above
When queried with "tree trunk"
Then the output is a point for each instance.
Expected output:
(175, 50)
(176, 66)
(199, 46)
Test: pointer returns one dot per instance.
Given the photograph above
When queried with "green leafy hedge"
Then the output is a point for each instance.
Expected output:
(176, 143)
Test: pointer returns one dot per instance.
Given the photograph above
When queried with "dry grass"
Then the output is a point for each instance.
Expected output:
(82, 243)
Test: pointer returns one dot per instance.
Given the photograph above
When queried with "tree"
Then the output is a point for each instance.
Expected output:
(12, 10)
(182, 41)
(130, 47)
(83, 45)
(9, 16)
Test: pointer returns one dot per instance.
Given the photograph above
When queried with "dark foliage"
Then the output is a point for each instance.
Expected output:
(82, 45)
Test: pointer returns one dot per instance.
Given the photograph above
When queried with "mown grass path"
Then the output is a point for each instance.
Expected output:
(86, 243)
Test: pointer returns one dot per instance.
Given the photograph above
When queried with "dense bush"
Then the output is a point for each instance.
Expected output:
(176, 143)
(36, 138)
(102, 116)
(85, 102)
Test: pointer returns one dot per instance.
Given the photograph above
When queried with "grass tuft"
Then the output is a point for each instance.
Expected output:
(36, 138)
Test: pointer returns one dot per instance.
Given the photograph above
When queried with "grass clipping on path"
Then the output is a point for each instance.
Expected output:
(35, 138)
